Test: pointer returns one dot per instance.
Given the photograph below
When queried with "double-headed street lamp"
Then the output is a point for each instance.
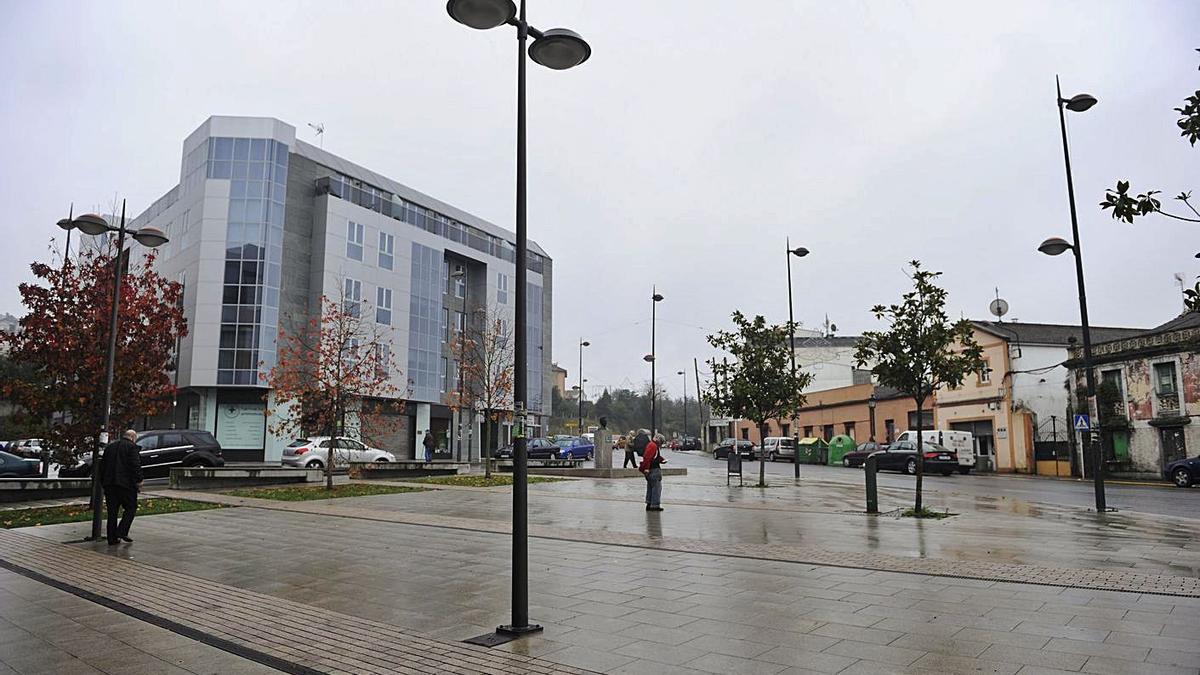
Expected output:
(1058, 246)
(654, 300)
(557, 49)
(150, 237)
(799, 252)
(582, 343)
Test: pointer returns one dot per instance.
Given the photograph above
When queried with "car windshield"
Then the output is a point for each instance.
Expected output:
(565, 442)
(298, 443)
(787, 442)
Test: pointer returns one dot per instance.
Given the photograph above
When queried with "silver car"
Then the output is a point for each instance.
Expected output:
(313, 452)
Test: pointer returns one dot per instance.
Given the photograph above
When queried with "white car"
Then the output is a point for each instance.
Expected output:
(313, 452)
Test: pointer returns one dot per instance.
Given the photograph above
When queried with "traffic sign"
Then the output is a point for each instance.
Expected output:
(1082, 423)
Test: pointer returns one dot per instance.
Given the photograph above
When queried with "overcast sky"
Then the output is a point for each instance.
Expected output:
(698, 136)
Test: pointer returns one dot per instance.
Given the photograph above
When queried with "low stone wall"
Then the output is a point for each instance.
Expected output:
(31, 489)
(214, 477)
(404, 469)
(592, 472)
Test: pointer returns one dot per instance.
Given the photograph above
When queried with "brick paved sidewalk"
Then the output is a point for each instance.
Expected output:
(263, 625)
(1102, 579)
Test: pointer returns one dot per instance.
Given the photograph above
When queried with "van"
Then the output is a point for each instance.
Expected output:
(778, 447)
(961, 442)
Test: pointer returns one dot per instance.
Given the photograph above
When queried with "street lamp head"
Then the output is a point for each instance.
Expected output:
(1080, 102)
(1055, 246)
(680, 373)
(481, 14)
(585, 343)
(871, 401)
(649, 358)
(459, 273)
(91, 223)
(657, 297)
(799, 251)
(559, 49)
(150, 237)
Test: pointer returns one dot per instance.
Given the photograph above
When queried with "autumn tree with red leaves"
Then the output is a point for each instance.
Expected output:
(339, 365)
(63, 342)
(487, 375)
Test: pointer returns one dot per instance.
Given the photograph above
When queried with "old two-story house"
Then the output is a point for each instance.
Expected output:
(1020, 401)
(1148, 392)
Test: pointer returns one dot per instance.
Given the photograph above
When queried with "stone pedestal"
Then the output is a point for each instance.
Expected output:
(603, 443)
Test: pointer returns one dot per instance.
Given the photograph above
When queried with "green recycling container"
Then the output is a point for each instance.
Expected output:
(811, 450)
(838, 447)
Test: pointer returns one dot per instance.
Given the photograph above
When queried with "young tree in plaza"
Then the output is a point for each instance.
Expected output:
(63, 340)
(921, 350)
(757, 383)
(336, 365)
(487, 376)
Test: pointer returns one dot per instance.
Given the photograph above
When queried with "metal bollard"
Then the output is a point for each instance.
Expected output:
(872, 492)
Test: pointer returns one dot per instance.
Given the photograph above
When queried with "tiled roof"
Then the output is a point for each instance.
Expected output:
(1053, 334)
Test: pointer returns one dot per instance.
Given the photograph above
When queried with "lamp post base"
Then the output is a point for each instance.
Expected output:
(519, 630)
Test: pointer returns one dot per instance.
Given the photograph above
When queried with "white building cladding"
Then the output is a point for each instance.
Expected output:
(262, 225)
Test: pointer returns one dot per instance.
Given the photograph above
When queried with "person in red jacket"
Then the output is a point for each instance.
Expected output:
(651, 460)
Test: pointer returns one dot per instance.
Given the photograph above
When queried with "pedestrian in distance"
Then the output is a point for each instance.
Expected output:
(635, 448)
(429, 444)
(652, 459)
(121, 477)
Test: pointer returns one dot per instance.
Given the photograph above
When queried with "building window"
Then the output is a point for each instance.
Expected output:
(848, 429)
(354, 240)
(383, 358)
(502, 288)
(985, 373)
(1164, 378)
(459, 322)
(926, 420)
(889, 427)
(460, 282)
(828, 432)
(387, 250)
(745, 434)
(445, 324)
(352, 299)
(383, 306)
(445, 372)
(785, 430)
(808, 431)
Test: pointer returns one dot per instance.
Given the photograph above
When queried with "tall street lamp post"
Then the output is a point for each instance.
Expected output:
(1057, 246)
(685, 424)
(799, 252)
(150, 237)
(460, 276)
(655, 299)
(557, 49)
(871, 401)
(582, 343)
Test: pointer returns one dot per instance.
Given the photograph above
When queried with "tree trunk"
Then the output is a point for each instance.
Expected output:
(485, 450)
(920, 452)
(762, 455)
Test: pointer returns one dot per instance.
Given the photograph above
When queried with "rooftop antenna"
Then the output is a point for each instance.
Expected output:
(319, 127)
(998, 307)
(830, 328)
(1178, 279)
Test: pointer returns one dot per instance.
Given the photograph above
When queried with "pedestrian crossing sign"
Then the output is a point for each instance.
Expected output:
(1082, 423)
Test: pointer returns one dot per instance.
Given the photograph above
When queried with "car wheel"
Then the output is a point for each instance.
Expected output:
(771, 456)
(314, 464)
(1182, 477)
(588, 456)
(200, 464)
(964, 470)
(382, 460)
(846, 462)
(911, 467)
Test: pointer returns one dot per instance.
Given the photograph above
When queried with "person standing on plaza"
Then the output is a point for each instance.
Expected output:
(121, 477)
(429, 444)
(635, 448)
(652, 459)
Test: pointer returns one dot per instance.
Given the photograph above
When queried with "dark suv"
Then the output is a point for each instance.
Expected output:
(163, 449)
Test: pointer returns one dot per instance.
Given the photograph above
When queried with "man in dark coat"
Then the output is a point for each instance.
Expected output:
(121, 476)
(636, 446)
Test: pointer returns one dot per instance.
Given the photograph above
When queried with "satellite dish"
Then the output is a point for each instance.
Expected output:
(998, 307)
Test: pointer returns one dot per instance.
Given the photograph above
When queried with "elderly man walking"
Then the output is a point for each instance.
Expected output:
(651, 460)
(121, 476)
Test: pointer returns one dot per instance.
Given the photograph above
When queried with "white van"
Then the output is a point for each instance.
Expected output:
(778, 447)
(961, 442)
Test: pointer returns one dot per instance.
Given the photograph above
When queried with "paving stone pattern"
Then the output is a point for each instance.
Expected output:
(1116, 579)
(261, 622)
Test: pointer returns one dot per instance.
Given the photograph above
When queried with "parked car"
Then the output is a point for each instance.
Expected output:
(961, 442)
(28, 448)
(902, 456)
(1183, 472)
(313, 452)
(776, 448)
(162, 449)
(689, 443)
(12, 466)
(858, 456)
(744, 448)
(575, 448)
(535, 448)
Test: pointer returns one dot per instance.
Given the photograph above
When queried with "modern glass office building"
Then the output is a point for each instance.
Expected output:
(262, 225)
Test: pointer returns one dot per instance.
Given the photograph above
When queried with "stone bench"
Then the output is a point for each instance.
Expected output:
(507, 464)
(32, 489)
(212, 477)
(404, 469)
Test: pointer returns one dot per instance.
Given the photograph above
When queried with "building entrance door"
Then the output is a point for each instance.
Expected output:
(1173, 447)
(985, 445)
